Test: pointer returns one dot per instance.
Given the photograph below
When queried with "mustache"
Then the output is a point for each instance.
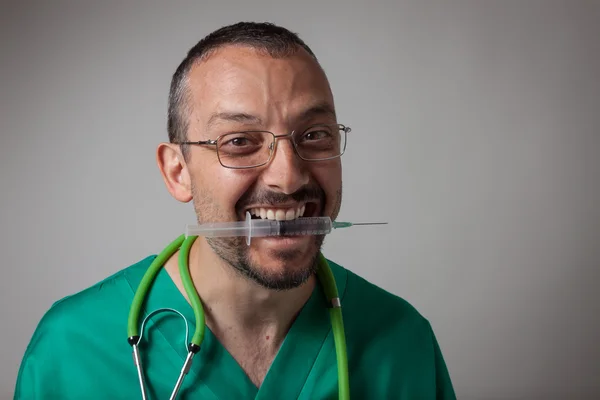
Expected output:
(305, 194)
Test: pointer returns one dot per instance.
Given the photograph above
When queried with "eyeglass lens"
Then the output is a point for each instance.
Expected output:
(249, 149)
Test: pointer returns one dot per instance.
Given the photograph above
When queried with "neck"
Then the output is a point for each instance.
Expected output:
(234, 303)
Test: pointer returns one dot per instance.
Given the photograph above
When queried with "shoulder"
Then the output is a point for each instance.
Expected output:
(381, 323)
(110, 291)
(391, 345)
(372, 303)
(68, 332)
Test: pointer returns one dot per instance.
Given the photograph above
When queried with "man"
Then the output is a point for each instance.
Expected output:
(268, 333)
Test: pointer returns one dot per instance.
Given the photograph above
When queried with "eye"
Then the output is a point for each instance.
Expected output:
(239, 141)
(316, 134)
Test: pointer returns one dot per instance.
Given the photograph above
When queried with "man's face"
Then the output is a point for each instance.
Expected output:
(240, 89)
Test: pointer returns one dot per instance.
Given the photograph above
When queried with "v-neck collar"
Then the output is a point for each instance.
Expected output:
(299, 350)
(215, 368)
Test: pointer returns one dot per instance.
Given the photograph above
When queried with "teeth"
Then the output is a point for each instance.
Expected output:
(278, 214)
(289, 214)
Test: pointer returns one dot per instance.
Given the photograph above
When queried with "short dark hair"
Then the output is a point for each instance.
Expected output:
(274, 40)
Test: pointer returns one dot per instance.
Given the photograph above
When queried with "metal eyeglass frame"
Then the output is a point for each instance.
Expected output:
(214, 142)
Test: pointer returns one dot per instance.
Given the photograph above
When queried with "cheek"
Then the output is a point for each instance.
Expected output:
(219, 188)
(231, 185)
(329, 177)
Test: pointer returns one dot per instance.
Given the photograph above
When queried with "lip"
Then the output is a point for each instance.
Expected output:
(281, 242)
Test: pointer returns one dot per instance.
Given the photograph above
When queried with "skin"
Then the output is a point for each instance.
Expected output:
(252, 294)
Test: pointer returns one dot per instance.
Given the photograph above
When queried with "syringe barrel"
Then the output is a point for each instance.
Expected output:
(217, 229)
(263, 227)
(305, 226)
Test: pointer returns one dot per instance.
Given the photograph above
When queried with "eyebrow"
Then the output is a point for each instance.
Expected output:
(233, 117)
(317, 110)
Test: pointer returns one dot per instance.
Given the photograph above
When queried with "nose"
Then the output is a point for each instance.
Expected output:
(286, 172)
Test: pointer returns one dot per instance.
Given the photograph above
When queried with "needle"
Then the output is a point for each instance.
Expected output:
(369, 223)
(337, 225)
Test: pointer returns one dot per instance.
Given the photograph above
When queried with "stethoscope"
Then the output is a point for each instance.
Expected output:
(183, 244)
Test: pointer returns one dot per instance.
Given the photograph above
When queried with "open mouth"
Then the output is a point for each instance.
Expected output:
(284, 213)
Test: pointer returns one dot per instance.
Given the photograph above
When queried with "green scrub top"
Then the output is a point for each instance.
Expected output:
(80, 351)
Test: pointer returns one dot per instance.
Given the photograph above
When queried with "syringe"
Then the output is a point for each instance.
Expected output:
(267, 227)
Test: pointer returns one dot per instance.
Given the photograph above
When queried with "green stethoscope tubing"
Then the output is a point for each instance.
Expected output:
(337, 325)
(183, 243)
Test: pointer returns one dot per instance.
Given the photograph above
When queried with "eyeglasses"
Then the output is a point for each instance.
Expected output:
(250, 149)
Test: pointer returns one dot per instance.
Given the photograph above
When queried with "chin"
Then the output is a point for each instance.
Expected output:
(283, 268)
(277, 263)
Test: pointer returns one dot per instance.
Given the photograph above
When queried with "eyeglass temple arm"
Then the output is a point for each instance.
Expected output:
(211, 142)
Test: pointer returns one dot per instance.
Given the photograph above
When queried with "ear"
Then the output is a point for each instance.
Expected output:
(174, 171)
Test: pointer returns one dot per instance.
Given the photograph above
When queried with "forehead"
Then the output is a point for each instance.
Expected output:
(246, 80)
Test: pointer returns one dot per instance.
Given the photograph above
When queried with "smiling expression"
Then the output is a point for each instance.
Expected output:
(243, 89)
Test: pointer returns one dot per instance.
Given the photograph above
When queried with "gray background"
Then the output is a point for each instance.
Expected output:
(475, 135)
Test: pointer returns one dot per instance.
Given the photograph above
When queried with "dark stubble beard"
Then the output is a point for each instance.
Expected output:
(235, 252)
